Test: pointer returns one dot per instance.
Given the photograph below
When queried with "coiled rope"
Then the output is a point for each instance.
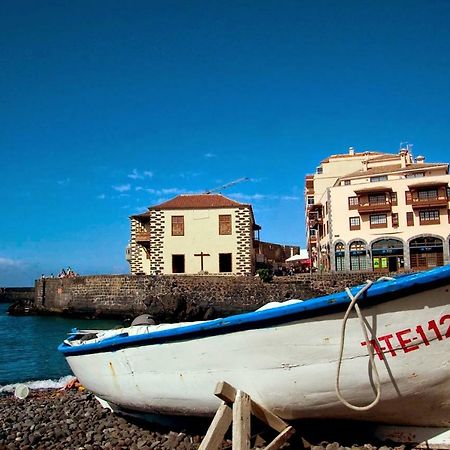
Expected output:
(353, 304)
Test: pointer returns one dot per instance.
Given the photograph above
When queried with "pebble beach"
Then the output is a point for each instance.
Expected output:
(73, 419)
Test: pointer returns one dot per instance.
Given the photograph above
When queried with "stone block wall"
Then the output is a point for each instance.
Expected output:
(11, 295)
(183, 297)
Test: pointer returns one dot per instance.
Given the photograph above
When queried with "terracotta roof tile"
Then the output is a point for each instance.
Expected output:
(198, 201)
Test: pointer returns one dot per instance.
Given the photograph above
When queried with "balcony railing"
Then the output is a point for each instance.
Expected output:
(143, 236)
(429, 202)
(368, 207)
(313, 221)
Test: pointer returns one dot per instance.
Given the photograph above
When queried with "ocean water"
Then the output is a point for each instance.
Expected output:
(28, 348)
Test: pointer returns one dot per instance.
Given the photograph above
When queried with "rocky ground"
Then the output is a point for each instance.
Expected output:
(73, 419)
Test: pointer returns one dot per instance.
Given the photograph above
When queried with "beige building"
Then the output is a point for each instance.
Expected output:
(191, 234)
(378, 211)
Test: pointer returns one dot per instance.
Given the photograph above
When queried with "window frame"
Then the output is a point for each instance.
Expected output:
(354, 226)
(378, 223)
(353, 202)
(378, 178)
(222, 256)
(430, 220)
(427, 194)
(395, 221)
(177, 224)
(225, 226)
(409, 218)
(377, 199)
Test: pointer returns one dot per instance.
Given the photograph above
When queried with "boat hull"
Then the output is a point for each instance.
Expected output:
(290, 368)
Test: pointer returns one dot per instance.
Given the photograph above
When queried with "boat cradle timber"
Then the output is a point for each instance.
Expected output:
(287, 357)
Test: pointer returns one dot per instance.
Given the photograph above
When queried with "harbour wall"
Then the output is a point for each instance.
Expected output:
(11, 295)
(177, 298)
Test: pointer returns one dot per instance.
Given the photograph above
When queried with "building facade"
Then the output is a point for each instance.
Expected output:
(378, 211)
(200, 234)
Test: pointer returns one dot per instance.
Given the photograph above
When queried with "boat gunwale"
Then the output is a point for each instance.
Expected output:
(379, 292)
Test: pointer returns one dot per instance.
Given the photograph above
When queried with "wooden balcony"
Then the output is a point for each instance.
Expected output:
(437, 202)
(315, 221)
(143, 236)
(366, 207)
(427, 195)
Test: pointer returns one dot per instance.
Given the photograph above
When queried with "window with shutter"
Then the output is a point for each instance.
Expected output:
(177, 225)
(225, 224)
(410, 219)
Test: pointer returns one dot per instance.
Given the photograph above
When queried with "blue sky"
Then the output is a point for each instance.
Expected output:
(108, 107)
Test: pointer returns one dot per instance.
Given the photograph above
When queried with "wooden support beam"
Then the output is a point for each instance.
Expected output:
(280, 439)
(219, 426)
(227, 393)
(237, 408)
(241, 421)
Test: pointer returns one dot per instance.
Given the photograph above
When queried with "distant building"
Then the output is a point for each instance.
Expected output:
(378, 211)
(195, 233)
(274, 255)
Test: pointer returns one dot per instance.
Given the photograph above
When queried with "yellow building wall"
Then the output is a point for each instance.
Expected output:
(340, 213)
(201, 234)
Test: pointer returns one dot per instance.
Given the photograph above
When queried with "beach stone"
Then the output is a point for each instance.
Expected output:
(73, 420)
(333, 446)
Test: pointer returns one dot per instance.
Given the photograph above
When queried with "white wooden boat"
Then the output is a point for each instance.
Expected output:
(287, 358)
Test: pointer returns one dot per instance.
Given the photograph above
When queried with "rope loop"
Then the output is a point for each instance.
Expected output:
(353, 304)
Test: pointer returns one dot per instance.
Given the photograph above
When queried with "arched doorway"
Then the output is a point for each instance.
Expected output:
(387, 255)
(426, 252)
(339, 256)
(358, 256)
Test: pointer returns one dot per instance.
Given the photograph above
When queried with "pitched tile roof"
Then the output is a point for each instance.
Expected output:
(199, 201)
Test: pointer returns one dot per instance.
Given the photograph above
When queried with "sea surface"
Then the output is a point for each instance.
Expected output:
(28, 348)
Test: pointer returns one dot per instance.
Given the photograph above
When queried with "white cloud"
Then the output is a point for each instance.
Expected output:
(210, 155)
(256, 197)
(8, 262)
(136, 175)
(64, 182)
(187, 175)
(122, 188)
(172, 191)
(101, 196)
(248, 197)
(166, 191)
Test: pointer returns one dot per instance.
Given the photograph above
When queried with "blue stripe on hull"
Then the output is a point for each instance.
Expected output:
(378, 292)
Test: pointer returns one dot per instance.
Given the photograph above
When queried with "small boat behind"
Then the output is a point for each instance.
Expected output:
(387, 363)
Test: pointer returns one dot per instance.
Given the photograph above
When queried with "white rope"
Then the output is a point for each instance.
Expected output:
(369, 347)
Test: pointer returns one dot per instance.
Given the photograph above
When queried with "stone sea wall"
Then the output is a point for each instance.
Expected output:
(11, 295)
(174, 298)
